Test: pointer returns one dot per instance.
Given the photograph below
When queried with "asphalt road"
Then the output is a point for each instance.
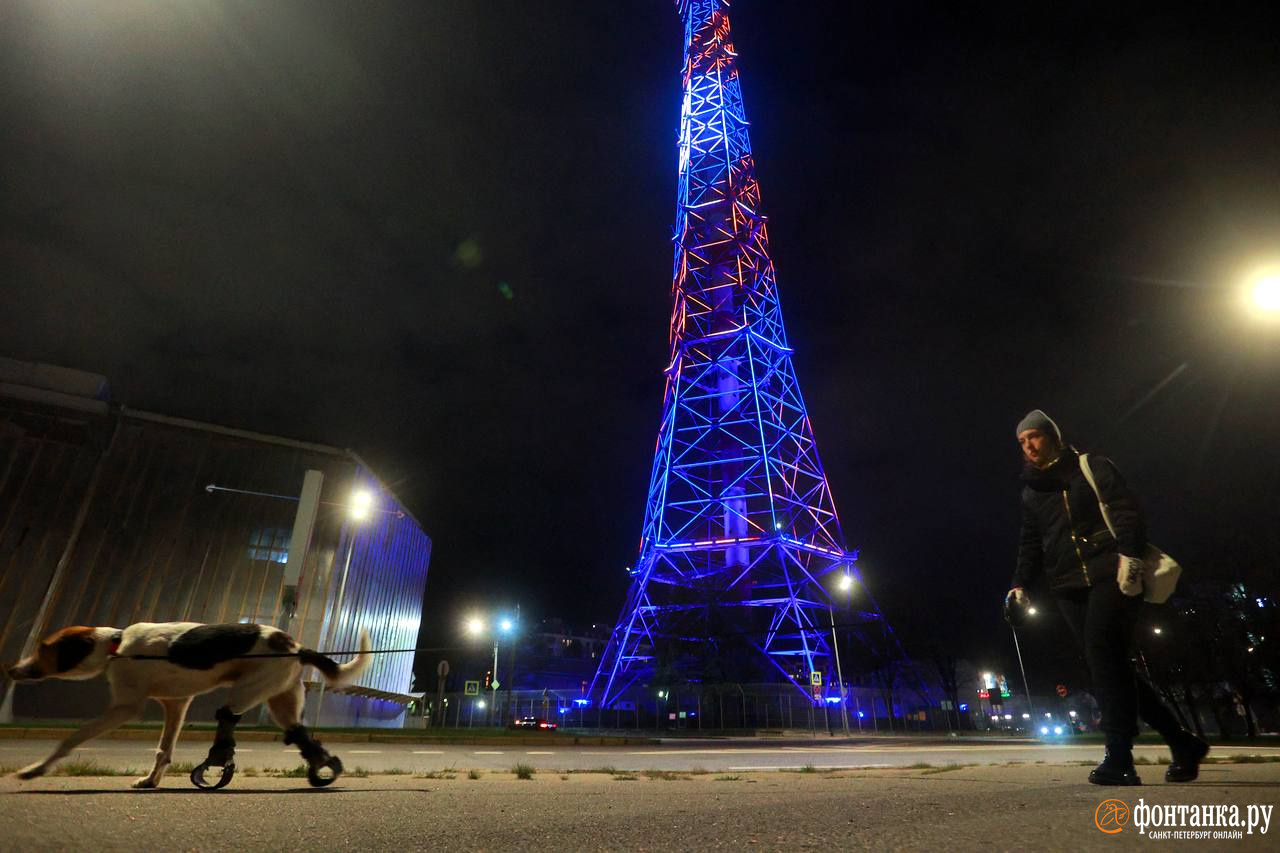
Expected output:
(721, 755)
(1026, 806)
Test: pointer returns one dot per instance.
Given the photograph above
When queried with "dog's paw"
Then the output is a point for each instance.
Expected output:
(31, 771)
(145, 782)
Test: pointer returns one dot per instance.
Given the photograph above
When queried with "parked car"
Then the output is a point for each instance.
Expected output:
(532, 723)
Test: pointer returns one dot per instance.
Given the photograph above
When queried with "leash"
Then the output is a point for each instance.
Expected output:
(115, 656)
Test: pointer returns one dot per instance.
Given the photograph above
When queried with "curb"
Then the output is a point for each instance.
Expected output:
(50, 733)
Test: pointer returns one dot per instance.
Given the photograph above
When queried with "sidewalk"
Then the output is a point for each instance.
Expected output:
(1018, 807)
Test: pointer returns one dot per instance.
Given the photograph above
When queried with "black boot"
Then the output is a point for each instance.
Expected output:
(1117, 768)
(1188, 751)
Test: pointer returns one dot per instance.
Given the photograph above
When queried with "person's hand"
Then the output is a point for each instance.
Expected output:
(1016, 605)
(1129, 575)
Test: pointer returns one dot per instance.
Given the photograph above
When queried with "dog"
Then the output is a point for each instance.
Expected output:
(172, 663)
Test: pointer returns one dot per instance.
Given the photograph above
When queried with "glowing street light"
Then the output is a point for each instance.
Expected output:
(1264, 293)
(1031, 611)
(1157, 630)
(475, 626)
(846, 583)
(361, 504)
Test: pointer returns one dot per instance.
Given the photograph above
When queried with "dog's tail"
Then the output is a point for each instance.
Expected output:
(338, 674)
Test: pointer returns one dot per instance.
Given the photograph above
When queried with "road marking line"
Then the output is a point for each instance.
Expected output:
(486, 752)
(365, 751)
(814, 766)
(539, 753)
(428, 752)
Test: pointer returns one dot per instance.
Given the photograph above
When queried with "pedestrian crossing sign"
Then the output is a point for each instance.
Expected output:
(815, 678)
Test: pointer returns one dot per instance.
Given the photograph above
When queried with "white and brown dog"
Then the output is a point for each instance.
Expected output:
(173, 662)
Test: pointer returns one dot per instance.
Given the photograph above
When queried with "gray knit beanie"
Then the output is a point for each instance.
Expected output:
(1037, 419)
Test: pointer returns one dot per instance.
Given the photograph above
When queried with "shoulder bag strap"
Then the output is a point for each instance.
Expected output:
(1102, 505)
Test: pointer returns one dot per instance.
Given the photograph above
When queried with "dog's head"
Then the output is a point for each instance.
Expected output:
(73, 653)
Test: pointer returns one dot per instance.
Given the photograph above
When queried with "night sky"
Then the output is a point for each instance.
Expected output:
(439, 234)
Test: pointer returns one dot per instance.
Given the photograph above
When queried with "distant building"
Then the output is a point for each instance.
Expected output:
(107, 518)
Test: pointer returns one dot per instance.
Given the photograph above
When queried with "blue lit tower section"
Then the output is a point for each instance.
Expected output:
(741, 549)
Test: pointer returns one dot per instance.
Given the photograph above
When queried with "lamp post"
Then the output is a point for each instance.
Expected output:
(475, 626)
(1031, 611)
(845, 584)
(358, 509)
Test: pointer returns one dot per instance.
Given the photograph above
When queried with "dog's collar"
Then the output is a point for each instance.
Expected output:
(113, 645)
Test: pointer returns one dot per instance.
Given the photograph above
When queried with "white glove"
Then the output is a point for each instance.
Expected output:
(1129, 575)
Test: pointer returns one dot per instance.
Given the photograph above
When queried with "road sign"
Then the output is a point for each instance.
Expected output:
(494, 684)
(1062, 691)
(815, 678)
(471, 688)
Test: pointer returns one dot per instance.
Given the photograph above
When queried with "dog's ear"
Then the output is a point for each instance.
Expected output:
(66, 649)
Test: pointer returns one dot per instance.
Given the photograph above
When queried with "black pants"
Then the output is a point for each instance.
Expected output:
(1103, 621)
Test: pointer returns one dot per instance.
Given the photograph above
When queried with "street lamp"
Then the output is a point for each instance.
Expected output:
(1031, 611)
(475, 627)
(358, 509)
(1264, 293)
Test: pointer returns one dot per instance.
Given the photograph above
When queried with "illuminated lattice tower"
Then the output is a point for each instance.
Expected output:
(741, 549)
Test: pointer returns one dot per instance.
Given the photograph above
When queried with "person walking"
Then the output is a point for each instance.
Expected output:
(1096, 580)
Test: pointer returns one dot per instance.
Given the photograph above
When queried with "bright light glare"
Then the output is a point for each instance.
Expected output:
(480, 704)
(506, 625)
(1057, 730)
(846, 583)
(1266, 294)
(1157, 630)
(1044, 730)
(361, 502)
(1031, 611)
(475, 625)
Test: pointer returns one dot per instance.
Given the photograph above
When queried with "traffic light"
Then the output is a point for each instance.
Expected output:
(488, 678)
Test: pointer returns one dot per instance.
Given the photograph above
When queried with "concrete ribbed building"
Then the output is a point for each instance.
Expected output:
(110, 516)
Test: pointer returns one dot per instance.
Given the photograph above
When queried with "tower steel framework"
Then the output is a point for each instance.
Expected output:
(741, 546)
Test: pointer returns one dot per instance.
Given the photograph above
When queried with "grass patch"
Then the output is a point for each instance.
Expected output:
(179, 768)
(523, 771)
(946, 768)
(299, 772)
(607, 770)
(365, 772)
(564, 777)
(90, 768)
(808, 768)
(473, 774)
(727, 779)
(624, 777)
(251, 772)
(438, 774)
(665, 775)
(1242, 759)
(920, 765)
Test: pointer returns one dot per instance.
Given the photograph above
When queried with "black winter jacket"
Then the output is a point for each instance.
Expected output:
(1064, 537)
